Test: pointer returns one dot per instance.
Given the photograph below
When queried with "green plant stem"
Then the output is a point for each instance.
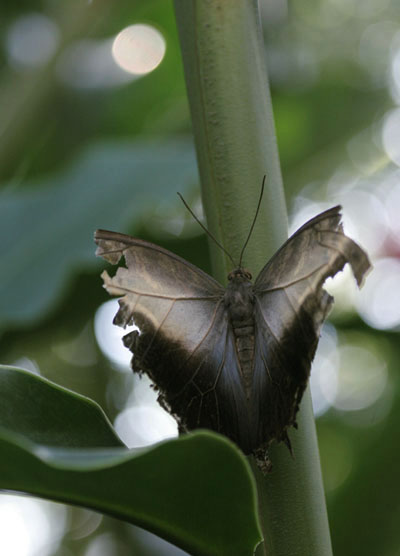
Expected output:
(233, 126)
(226, 76)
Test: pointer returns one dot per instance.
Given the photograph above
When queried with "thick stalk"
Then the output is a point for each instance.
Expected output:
(233, 126)
(225, 70)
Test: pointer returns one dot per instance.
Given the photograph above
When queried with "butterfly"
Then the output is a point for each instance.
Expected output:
(237, 359)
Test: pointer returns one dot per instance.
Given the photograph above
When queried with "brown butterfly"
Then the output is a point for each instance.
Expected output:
(237, 359)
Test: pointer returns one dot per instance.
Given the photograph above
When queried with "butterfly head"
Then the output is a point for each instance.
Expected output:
(240, 275)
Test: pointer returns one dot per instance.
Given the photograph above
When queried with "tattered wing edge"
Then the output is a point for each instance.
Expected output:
(113, 256)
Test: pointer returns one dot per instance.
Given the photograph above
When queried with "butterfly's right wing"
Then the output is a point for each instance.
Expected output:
(185, 343)
(290, 306)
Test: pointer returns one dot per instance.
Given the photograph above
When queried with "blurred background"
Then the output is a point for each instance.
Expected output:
(95, 132)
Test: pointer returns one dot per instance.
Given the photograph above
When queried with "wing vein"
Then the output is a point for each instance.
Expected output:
(283, 286)
(195, 349)
(298, 319)
(265, 321)
(157, 330)
(160, 296)
(334, 249)
(206, 333)
(277, 351)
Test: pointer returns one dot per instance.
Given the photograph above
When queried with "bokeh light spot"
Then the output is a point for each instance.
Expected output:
(29, 527)
(379, 300)
(325, 362)
(106, 545)
(139, 49)
(109, 336)
(88, 64)
(83, 523)
(347, 376)
(361, 378)
(31, 40)
(142, 425)
(391, 135)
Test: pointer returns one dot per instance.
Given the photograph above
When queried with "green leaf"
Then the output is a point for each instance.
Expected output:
(196, 491)
(47, 228)
(46, 413)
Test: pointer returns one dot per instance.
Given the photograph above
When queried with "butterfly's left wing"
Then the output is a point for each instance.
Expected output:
(185, 343)
(290, 306)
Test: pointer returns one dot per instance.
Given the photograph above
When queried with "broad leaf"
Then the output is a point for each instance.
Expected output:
(196, 491)
(47, 228)
(46, 413)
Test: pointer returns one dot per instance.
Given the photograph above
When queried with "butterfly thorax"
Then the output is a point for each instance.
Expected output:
(239, 301)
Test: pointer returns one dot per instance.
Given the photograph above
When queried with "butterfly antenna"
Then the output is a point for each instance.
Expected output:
(205, 229)
(253, 223)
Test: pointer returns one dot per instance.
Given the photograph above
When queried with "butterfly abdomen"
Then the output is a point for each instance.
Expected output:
(244, 341)
(239, 300)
